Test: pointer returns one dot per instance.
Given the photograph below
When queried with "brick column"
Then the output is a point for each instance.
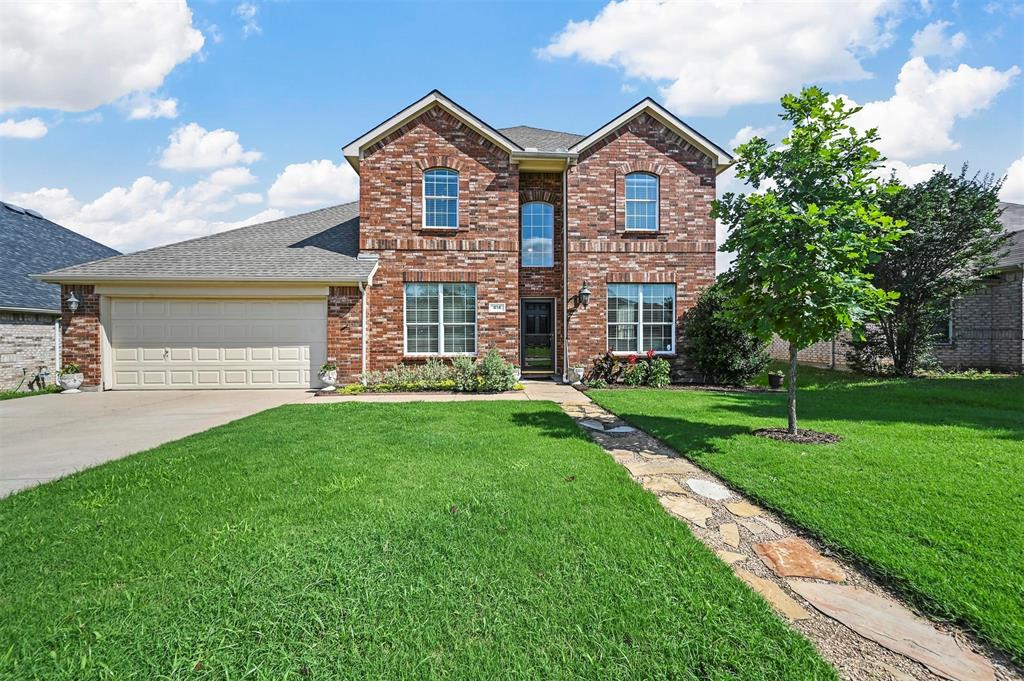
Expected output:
(344, 331)
(80, 332)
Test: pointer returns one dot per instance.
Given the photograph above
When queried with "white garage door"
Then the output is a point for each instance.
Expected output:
(181, 344)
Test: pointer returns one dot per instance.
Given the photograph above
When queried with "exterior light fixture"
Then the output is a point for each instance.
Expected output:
(584, 295)
(72, 302)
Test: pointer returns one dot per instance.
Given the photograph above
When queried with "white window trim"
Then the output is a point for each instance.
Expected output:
(458, 192)
(656, 201)
(440, 322)
(521, 253)
(640, 320)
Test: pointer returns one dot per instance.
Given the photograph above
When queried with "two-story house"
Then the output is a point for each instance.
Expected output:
(551, 247)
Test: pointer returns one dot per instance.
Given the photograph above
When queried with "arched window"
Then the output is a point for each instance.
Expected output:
(538, 234)
(441, 198)
(642, 202)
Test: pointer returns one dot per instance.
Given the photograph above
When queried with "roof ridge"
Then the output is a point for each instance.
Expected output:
(534, 127)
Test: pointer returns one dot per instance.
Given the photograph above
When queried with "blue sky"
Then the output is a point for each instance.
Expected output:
(90, 136)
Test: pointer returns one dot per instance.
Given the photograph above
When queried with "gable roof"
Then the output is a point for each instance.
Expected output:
(1013, 222)
(319, 246)
(540, 139)
(30, 243)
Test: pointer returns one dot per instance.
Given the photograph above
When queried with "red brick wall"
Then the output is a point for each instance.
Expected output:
(344, 331)
(81, 332)
(536, 282)
(484, 250)
(601, 252)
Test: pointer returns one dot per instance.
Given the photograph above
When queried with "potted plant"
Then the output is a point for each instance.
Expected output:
(775, 379)
(329, 376)
(576, 375)
(71, 378)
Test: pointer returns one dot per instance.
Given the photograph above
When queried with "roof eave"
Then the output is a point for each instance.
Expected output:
(57, 278)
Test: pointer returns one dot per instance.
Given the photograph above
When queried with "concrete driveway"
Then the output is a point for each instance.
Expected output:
(49, 436)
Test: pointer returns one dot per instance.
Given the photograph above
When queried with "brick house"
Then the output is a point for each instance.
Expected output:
(984, 330)
(465, 238)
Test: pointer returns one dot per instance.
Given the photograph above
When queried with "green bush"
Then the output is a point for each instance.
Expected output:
(635, 373)
(464, 374)
(490, 373)
(659, 374)
(721, 351)
(496, 374)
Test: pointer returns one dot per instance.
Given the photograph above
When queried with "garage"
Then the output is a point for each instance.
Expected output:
(175, 344)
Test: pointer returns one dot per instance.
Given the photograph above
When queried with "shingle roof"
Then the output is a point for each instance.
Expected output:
(1013, 222)
(30, 243)
(540, 139)
(320, 246)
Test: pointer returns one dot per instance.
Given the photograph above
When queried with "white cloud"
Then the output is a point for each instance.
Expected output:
(909, 174)
(233, 177)
(75, 56)
(1013, 187)
(316, 183)
(918, 119)
(94, 117)
(246, 11)
(933, 41)
(26, 129)
(143, 106)
(747, 133)
(192, 147)
(249, 197)
(710, 58)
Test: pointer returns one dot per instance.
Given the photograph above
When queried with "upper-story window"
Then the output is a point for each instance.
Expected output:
(441, 198)
(538, 234)
(642, 202)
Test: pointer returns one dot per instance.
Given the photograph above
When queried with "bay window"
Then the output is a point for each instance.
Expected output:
(641, 317)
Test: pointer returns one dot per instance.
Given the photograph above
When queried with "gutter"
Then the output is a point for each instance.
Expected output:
(56, 278)
(33, 310)
(565, 274)
(362, 334)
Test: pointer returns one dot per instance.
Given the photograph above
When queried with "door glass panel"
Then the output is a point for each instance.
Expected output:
(538, 337)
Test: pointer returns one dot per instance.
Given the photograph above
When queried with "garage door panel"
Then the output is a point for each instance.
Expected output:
(173, 343)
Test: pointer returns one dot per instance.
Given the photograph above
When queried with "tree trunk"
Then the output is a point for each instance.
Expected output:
(792, 388)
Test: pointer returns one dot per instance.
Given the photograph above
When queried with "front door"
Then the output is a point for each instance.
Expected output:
(538, 337)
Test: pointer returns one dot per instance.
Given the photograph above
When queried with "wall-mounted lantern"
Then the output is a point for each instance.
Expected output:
(583, 297)
(72, 302)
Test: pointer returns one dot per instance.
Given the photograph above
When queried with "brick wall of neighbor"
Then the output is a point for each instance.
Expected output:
(821, 353)
(26, 343)
(483, 250)
(81, 332)
(344, 331)
(601, 251)
(546, 282)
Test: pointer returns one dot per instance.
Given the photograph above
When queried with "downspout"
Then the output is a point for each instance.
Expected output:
(362, 332)
(565, 273)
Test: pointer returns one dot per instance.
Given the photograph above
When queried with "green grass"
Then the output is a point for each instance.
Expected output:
(16, 394)
(926, 489)
(471, 540)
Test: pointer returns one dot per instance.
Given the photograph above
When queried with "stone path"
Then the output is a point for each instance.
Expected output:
(855, 624)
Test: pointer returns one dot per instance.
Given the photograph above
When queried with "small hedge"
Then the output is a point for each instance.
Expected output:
(635, 371)
(490, 373)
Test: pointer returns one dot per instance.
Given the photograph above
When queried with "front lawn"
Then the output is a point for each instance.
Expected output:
(16, 394)
(926, 488)
(470, 540)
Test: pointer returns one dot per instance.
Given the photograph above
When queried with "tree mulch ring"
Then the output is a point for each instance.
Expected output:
(802, 436)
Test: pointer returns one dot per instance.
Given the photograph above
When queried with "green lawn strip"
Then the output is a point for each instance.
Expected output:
(469, 540)
(16, 394)
(926, 488)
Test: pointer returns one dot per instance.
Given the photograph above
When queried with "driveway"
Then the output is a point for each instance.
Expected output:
(49, 436)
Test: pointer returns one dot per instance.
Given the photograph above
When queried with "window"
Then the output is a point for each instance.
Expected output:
(538, 234)
(942, 326)
(641, 317)
(441, 198)
(642, 202)
(440, 319)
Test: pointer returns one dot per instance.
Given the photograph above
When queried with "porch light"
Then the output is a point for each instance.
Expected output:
(584, 295)
(72, 302)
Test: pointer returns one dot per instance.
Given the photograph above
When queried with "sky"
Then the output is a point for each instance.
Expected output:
(144, 124)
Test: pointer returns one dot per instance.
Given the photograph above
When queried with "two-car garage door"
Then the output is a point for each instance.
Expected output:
(216, 343)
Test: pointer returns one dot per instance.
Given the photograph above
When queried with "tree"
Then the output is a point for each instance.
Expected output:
(805, 238)
(721, 350)
(956, 240)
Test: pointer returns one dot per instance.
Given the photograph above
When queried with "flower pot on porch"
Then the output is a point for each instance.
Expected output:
(329, 380)
(71, 382)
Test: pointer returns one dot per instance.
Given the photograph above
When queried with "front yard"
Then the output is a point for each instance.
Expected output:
(926, 489)
(471, 540)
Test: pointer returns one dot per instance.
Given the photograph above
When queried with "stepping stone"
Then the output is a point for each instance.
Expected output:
(891, 625)
(793, 557)
(592, 424)
(730, 534)
(772, 525)
(621, 429)
(663, 467)
(774, 594)
(743, 509)
(622, 456)
(661, 483)
(709, 489)
(728, 557)
(685, 507)
(755, 528)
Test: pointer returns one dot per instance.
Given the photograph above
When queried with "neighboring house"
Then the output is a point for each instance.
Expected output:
(30, 309)
(984, 330)
(465, 238)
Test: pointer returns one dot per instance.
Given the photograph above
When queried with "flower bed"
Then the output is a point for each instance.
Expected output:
(633, 371)
(490, 373)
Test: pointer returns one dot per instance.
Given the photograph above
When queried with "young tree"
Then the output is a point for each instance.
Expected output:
(956, 240)
(805, 238)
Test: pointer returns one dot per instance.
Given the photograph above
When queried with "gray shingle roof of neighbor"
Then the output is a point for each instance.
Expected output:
(540, 139)
(321, 246)
(1013, 222)
(29, 243)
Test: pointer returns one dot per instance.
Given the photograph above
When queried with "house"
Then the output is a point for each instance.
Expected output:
(29, 309)
(984, 330)
(550, 247)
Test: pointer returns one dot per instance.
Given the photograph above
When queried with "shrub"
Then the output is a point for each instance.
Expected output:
(495, 373)
(70, 368)
(659, 373)
(721, 350)
(464, 374)
(635, 373)
(490, 373)
(606, 369)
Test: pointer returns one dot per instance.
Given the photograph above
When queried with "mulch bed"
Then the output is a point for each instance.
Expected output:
(802, 436)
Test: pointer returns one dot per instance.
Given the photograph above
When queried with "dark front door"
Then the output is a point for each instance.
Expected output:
(538, 337)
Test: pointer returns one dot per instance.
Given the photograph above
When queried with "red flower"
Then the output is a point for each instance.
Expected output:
(650, 354)
(633, 359)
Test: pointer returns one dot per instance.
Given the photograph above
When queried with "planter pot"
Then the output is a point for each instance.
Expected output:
(71, 382)
(330, 380)
(775, 381)
(576, 375)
